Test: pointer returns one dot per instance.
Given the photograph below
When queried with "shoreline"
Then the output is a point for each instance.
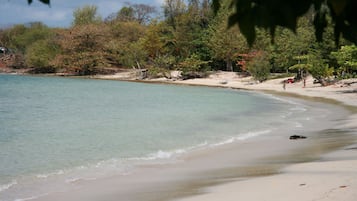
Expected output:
(332, 177)
(221, 182)
(203, 169)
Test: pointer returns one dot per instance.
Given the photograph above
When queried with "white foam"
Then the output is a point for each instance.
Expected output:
(25, 199)
(4, 187)
(76, 179)
(44, 176)
(297, 108)
(162, 155)
(31, 198)
(298, 125)
(282, 99)
(241, 137)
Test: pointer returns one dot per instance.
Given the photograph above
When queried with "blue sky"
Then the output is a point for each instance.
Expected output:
(60, 14)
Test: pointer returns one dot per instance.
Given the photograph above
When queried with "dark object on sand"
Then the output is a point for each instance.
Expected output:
(297, 137)
(290, 81)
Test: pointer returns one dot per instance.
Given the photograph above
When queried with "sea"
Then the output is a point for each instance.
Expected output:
(55, 131)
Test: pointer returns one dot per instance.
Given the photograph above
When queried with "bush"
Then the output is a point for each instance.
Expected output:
(156, 72)
(39, 56)
(259, 67)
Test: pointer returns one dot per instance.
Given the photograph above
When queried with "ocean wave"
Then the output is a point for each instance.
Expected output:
(282, 99)
(163, 154)
(44, 176)
(298, 108)
(7, 186)
(241, 137)
(75, 180)
(25, 199)
(31, 198)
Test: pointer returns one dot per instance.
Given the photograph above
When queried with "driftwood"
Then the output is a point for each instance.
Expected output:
(297, 137)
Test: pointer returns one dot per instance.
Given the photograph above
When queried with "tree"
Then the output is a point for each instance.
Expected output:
(288, 45)
(86, 15)
(21, 36)
(122, 37)
(125, 14)
(270, 14)
(259, 67)
(39, 56)
(192, 64)
(173, 9)
(140, 13)
(318, 67)
(225, 43)
(83, 49)
(143, 12)
(153, 40)
(346, 57)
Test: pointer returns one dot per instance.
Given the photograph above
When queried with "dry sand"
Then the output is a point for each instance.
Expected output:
(332, 178)
(340, 91)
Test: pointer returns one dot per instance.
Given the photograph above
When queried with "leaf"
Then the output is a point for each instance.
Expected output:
(43, 1)
(320, 23)
(216, 6)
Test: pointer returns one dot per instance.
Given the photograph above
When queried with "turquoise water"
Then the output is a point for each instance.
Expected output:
(66, 129)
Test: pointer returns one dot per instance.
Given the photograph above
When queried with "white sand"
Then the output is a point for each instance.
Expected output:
(332, 179)
(323, 181)
(339, 91)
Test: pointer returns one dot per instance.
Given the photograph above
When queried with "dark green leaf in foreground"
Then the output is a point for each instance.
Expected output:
(270, 14)
(43, 1)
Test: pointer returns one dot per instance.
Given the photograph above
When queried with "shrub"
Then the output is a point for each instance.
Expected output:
(259, 67)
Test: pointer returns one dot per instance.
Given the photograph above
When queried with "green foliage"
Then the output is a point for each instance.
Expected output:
(155, 72)
(86, 15)
(154, 40)
(134, 55)
(346, 57)
(40, 54)
(289, 45)
(125, 14)
(259, 67)
(270, 14)
(225, 43)
(124, 44)
(21, 36)
(191, 38)
(317, 66)
(164, 62)
(192, 64)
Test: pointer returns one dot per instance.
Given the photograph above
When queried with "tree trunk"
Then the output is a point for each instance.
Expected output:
(229, 65)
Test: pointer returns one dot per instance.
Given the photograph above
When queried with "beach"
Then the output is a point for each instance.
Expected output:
(331, 177)
(256, 166)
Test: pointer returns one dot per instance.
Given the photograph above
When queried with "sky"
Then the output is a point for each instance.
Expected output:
(60, 13)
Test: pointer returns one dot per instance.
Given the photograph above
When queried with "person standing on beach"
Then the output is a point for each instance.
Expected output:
(284, 85)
